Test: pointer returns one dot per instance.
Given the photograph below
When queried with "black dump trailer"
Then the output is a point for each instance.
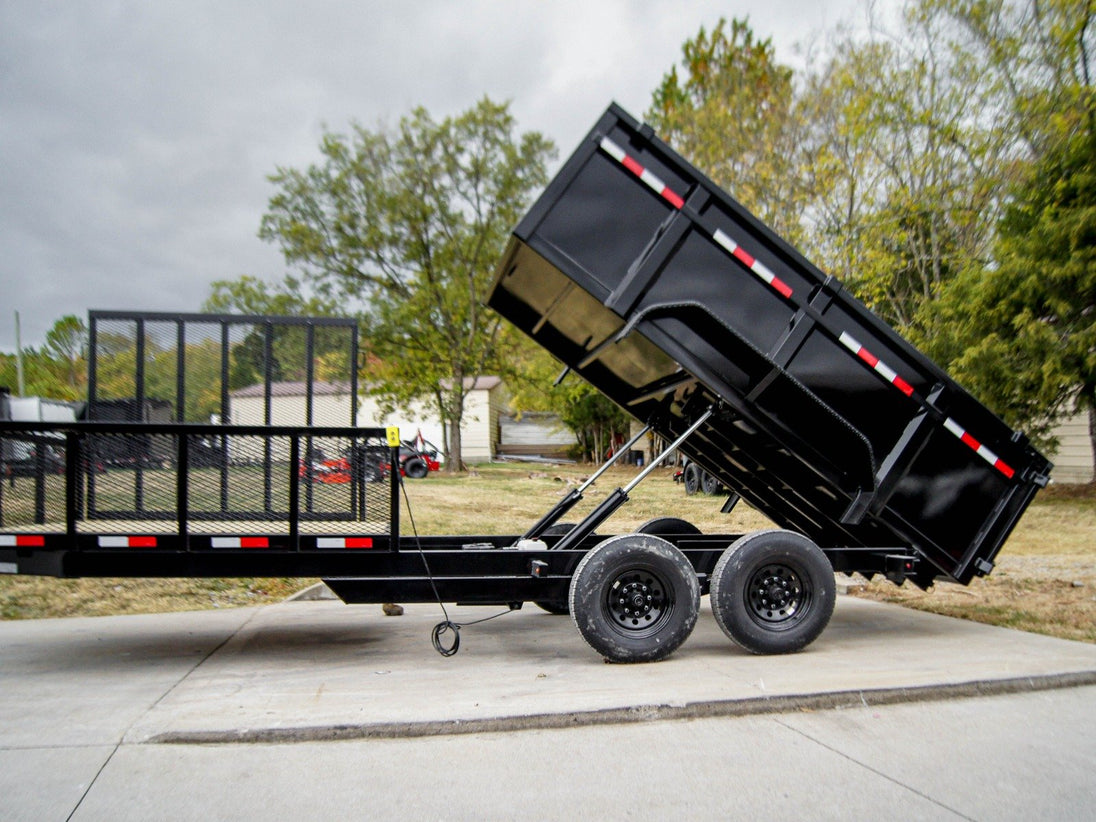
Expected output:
(660, 290)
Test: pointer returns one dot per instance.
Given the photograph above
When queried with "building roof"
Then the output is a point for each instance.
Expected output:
(293, 389)
(300, 389)
(485, 383)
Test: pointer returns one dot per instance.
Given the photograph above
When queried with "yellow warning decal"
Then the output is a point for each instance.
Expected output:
(393, 432)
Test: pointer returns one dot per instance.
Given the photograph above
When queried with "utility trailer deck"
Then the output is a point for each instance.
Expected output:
(664, 293)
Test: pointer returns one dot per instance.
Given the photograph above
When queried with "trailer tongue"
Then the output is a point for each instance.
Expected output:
(664, 293)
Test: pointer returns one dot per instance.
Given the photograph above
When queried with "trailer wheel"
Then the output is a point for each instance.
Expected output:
(665, 526)
(416, 468)
(635, 598)
(773, 592)
(691, 476)
(710, 485)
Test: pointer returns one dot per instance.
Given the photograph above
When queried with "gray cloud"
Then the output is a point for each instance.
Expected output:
(135, 138)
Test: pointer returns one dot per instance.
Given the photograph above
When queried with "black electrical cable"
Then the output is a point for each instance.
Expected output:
(446, 624)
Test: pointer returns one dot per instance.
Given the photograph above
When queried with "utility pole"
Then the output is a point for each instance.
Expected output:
(20, 385)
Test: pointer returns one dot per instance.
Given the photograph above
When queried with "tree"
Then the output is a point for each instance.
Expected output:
(1022, 335)
(289, 359)
(909, 162)
(67, 345)
(733, 112)
(407, 225)
(1019, 330)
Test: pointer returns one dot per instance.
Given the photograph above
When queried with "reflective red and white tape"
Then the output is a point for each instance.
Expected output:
(979, 449)
(762, 271)
(239, 542)
(888, 373)
(652, 180)
(126, 542)
(344, 542)
(22, 541)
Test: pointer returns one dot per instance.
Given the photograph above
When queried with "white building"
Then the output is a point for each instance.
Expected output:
(331, 406)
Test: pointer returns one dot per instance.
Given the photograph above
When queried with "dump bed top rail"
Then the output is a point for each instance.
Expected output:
(662, 291)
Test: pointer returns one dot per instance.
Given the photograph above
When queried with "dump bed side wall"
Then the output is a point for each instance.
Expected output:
(663, 292)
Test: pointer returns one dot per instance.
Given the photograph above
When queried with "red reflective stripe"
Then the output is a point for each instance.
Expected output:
(142, 542)
(254, 542)
(782, 287)
(868, 357)
(903, 386)
(359, 542)
(672, 198)
(971, 441)
(632, 166)
(741, 254)
(30, 541)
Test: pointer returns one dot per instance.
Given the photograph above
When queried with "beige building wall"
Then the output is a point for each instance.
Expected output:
(1073, 459)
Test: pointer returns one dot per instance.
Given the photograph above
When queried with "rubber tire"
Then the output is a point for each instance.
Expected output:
(606, 564)
(709, 484)
(730, 600)
(416, 468)
(558, 607)
(691, 478)
(668, 526)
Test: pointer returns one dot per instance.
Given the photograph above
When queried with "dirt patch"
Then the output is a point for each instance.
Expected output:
(1046, 594)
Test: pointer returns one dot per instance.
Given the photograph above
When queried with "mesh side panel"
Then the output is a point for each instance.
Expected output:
(232, 483)
(126, 480)
(248, 490)
(32, 483)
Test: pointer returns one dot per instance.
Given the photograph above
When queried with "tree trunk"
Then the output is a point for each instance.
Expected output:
(454, 463)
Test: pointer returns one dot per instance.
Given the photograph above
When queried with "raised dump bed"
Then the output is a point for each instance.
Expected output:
(662, 291)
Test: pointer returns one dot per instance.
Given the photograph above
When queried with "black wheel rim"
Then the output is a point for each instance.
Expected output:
(639, 602)
(778, 596)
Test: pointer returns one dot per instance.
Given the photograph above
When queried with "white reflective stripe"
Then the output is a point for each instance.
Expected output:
(652, 180)
(330, 542)
(225, 542)
(612, 149)
(724, 240)
(954, 427)
(885, 370)
(7, 540)
(113, 542)
(8, 568)
(762, 271)
(988, 455)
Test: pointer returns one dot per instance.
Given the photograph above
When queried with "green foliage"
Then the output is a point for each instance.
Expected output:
(1023, 335)
(58, 370)
(733, 112)
(407, 225)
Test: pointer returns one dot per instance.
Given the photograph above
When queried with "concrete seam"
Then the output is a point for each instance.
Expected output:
(870, 769)
(754, 706)
(152, 707)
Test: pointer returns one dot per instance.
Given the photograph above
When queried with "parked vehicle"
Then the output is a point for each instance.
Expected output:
(659, 289)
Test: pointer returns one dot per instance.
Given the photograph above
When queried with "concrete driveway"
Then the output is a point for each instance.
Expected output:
(184, 715)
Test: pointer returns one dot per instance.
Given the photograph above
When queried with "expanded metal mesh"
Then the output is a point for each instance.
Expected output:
(32, 481)
(199, 368)
(230, 483)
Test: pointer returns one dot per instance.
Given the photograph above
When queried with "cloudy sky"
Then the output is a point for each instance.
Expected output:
(136, 137)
